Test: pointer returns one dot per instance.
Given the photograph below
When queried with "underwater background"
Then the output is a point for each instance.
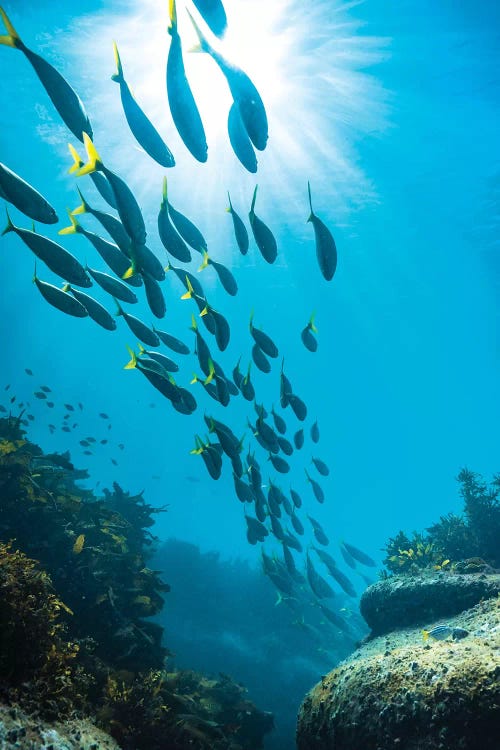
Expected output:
(389, 110)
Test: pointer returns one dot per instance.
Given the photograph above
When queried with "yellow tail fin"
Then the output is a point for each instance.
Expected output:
(206, 261)
(118, 76)
(12, 39)
(76, 159)
(73, 228)
(425, 634)
(133, 360)
(190, 291)
(94, 160)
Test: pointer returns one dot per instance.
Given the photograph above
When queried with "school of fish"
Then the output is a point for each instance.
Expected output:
(269, 510)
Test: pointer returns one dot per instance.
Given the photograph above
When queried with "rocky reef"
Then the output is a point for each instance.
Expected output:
(408, 686)
(401, 691)
(78, 649)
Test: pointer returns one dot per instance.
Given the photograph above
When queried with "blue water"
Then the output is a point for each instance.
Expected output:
(390, 110)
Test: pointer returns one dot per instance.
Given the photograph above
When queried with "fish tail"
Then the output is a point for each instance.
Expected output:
(211, 373)
(73, 228)
(230, 208)
(12, 38)
(254, 199)
(190, 291)
(425, 634)
(66, 288)
(118, 76)
(193, 326)
(77, 162)
(310, 200)
(83, 208)
(120, 310)
(94, 160)
(206, 261)
(194, 380)
(202, 44)
(164, 201)
(311, 322)
(133, 359)
(172, 11)
(204, 312)
(10, 226)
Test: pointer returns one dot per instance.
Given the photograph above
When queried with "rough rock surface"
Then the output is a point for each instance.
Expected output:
(400, 601)
(398, 691)
(18, 731)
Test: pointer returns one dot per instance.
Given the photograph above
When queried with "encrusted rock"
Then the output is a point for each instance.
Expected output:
(398, 692)
(20, 731)
(401, 601)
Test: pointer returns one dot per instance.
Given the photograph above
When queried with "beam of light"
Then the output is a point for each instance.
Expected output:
(312, 68)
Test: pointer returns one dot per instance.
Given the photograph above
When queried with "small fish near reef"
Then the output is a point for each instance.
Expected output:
(443, 632)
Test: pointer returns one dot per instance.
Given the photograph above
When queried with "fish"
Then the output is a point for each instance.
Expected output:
(276, 528)
(112, 286)
(64, 98)
(226, 278)
(59, 299)
(110, 223)
(335, 619)
(264, 238)
(168, 364)
(315, 432)
(240, 140)
(336, 573)
(243, 90)
(28, 371)
(255, 530)
(154, 296)
(318, 585)
(172, 342)
(359, 555)
(187, 230)
(296, 499)
(111, 254)
(262, 340)
(128, 209)
(170, 238)
(285, 446)
(202, 350)
(70, 407)
(40, 395)
(298, 439)
(350, 561)
(156, 374)
(297, 524)
(222, 330)
(243, 491)
(285, 387)
(25, 198)
(55, 257)
(247, 388)
(226, 437)
(279, 463)
(240, 232)
(309, 341)
(318, 532)
(318, 492)
(298, 407)
(210, 456)
(260, 359)
(96, 311)
(326, 251)
(45, 389)
(213, 14)
(140, 126)
(279, 422)
(138, 328)
(103, 415)
(321, 466)
(442, 632)
(147, 262)
(183, 109)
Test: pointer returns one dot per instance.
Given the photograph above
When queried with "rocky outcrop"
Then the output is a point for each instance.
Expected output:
(401, 601)
(19, 731)
(397, 691)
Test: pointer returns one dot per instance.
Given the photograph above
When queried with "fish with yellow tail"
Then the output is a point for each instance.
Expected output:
(183, 109)
(141, 127)
(64, 98)
(443, 632)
